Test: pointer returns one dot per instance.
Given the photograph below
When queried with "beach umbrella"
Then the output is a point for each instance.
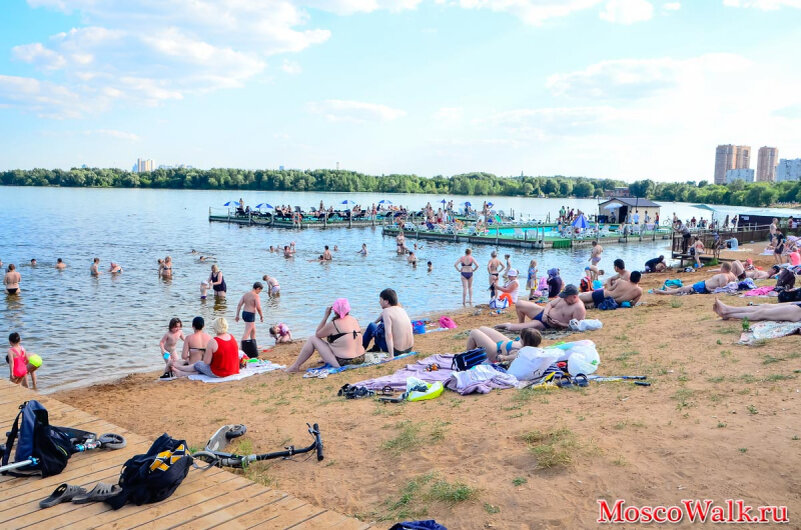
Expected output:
(443, 201)
(580, 222)
(229, 203)
(490, 205)
(265, 205)
(384, 201)
(465, 203)
(347, 202)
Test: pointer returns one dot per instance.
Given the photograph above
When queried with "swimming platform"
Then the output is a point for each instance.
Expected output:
(204, 499)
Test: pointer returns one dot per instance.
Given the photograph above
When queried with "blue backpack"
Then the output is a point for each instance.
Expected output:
(50, 446)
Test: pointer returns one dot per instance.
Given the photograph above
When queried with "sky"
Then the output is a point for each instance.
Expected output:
(626, 89)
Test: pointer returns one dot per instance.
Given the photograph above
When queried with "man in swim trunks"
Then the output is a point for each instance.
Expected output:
(595, 259)
(250, 304)
(273, 289)
(705, 286)
(622, 291)
(397, 335)
(93, 270)
(327, 254)
(11, 279)
(620, 274)
(557, 314)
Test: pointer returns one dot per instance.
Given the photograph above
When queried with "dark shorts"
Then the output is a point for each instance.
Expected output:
(742, 276)
(597, 297)
(401, 352)
(539, 318)
(12, 290)
(355, 360)
(247, 316)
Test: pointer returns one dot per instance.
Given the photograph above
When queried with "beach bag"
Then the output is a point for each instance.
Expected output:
(250, 348)
(531, 363)
(447, 322)
(35, 437)
(155, 475)
(468, 359)
(429, 524)
(785, 280)
(499, 303)
(608, 304)
(418, 327)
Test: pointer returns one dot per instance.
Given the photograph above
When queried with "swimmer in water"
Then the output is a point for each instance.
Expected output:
(60, 265)
(363, 251)
(114, 268)
(93, 269)
(273, 289)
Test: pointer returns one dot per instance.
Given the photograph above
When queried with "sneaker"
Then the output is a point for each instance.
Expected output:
(167, 376)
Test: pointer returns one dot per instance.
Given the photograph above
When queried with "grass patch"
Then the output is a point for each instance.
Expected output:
(716, 379)
(752, 409)
(624, 424)
(675, 303)
(748, 378)
(778, 377)
(770, 359)
(626, 355)
(490, 509)
(743, 450)
(418, 494)
(553, 449)
(539, 393)
(519, 481)
(721, 425)
(411, 435)
(682, 396)
(728, 331)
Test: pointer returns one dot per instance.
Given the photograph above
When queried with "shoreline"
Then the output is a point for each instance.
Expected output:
(710, 400)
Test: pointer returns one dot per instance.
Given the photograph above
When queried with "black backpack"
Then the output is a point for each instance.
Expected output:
(51, 446)
(155, 475)
(470, 358)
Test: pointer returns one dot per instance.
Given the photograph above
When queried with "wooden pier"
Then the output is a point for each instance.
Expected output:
(205, 499)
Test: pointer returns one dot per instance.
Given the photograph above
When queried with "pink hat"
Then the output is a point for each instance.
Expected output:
(341, 307)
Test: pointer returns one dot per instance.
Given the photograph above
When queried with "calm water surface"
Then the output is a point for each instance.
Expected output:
(89, 329)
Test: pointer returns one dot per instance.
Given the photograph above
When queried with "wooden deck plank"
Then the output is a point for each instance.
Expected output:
(289, 518)
(196, 505)
(227, 515)
(205, 499)
(102, 514)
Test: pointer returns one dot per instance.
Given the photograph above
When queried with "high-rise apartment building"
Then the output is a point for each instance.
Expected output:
(144, 166)
(766, 164)
(788, 170)
(746, 175)
(730, 157)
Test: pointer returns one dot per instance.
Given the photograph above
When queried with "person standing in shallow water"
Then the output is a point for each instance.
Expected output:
(250, 304)
(11, 279)
(466, 266)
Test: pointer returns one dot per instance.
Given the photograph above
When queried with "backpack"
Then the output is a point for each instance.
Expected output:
(51, 446)
(785, 280)
(470, 358)
(155, 475)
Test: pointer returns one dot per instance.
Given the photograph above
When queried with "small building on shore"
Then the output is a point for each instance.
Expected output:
(620, 209)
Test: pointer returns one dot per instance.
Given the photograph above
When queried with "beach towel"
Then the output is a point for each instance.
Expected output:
(260, 367)
(729, 288)
(760, 291)
(769, 329)
(326, 370)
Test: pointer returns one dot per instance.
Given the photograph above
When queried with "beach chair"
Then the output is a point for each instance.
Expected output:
(519, 234)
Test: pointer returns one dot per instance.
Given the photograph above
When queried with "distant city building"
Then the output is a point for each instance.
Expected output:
(143, 166)
(788, 170)
(730, 157)
(337, 166)
(743, 174)
(280, 168)
(620, 191)
(177, 166)
(766, 164)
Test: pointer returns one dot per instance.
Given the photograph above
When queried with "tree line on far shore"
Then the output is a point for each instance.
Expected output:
(738, 193)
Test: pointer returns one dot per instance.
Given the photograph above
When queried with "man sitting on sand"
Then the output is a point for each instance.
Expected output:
(620, 273)
(622, 291)
(557, 314)
(392, 330)
(787, 312)
(705, 286)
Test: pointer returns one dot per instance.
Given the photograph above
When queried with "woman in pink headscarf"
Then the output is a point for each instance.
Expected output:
(338, 342)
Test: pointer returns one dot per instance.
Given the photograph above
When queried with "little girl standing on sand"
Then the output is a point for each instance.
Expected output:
(168, 343)
(531, 283)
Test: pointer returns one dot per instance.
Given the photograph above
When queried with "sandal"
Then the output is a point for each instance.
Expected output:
(386, 391)
(356, 392)
(581, 380)
(99, 493)
(63, 493)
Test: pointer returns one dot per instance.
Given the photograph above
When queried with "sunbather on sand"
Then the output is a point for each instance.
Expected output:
(705, 286)
(337, 341)
(622, 291)
(557, 314)
(787, 312)
(498, 346)
(758, 274)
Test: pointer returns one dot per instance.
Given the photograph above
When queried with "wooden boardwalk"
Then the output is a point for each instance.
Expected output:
(205, 499)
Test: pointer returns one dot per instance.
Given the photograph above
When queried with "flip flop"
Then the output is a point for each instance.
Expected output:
(63, 493)
(99, 493)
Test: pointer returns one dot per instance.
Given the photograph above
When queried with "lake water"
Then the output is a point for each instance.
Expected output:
(89, 329)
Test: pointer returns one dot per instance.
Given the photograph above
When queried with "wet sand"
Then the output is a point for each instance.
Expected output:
(720, 421)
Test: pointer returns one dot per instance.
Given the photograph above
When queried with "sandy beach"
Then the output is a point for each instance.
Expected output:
(720, 421)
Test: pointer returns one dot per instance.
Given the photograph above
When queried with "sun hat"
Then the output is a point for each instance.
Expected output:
(511, 272)
(570, 290)
(341, 307)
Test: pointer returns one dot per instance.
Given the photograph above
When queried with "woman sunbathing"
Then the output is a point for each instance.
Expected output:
(337, 341)
(498, 346)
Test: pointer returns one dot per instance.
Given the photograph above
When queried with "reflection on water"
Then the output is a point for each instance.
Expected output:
(92, 328)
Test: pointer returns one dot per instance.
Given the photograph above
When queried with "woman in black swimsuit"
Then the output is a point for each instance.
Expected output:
(338, 342)
(217, 282)
(466, 265)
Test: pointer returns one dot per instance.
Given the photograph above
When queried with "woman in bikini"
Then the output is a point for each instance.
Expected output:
(338, 342)
(195, 344)
(166, 270)
(466, 265)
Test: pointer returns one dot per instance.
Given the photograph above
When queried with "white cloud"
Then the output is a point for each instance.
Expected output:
(627, 11)
(354, 111)
(671, 6)
(534, 12)
(43, 98)
(449, 114)
(113, 133)
(291, 67)
(36, 53)
(765, 5)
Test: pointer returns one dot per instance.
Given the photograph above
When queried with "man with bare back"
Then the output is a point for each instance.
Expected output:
(250, 303)
(621, 291)
(557, 314)
(705, 286)
(494, 268)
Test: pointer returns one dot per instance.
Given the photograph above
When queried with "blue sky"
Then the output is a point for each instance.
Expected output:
(602, 88)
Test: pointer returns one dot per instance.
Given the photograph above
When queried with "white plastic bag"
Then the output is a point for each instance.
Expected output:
(583, 360)
(532, 362)
(589, 324)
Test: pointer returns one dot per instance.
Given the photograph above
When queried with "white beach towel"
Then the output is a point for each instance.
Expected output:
(251, 369)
